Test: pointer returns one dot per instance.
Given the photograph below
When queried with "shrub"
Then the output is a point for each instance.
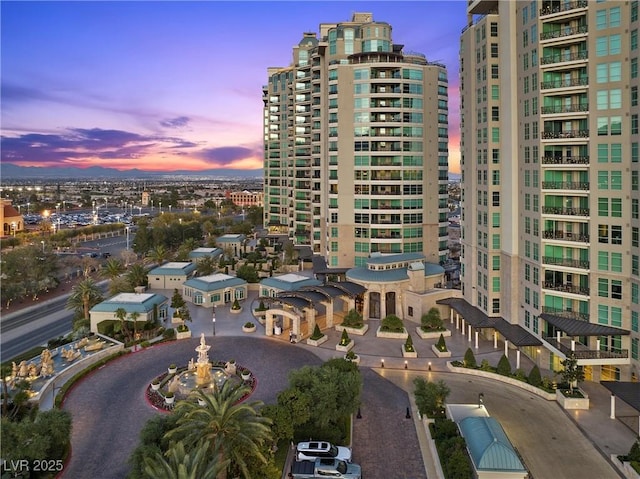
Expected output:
(485, 366)
(392, 324)
(350, 355)
(344, 339)
(249, 324)
(408, 345)
(430, 397)
(441, 345)
(236, 304)
(432, 321)
(169, 333)
(145, 344)
(353, 319)
(520, 375)
(504, 366)
(183, 328)
(317, 334)
(470, 359)
(169, 394)
(535, 379)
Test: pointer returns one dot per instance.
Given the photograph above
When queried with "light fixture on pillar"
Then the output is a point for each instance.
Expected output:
(405, 364)
(382, 363)
(429, 365)
(480, 400)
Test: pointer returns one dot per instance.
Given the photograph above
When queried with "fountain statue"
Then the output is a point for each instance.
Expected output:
(203, 367)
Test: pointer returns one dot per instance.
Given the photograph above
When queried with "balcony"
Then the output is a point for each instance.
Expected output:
(561, 313)
(567, 262)
(550, 8)
(564, 32)
(566, 288)
(557, 210)
(565, 236)
(565, 185)
(565, 160)
(573, 108)
(564, 57)
(564, 83)
(581, 351)
(559, 135)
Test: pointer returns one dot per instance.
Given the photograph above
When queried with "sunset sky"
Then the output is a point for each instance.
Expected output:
(161, 86)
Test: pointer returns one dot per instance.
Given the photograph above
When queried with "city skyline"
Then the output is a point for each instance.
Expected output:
(155, 93)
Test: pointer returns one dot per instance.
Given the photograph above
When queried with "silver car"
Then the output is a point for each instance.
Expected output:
(310, 450)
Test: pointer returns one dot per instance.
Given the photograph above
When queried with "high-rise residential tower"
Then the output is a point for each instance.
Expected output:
(549, 148)
(355, 140)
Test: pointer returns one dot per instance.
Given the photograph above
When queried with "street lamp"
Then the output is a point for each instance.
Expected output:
(213, 319)
(160, 202)
(28, 204)
(169, 208)
(42, 246)
(127, 229)
(57, 208)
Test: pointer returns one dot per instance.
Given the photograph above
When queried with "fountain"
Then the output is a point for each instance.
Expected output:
(201, 374)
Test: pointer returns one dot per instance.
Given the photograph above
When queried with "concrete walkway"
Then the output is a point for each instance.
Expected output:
(109, 407)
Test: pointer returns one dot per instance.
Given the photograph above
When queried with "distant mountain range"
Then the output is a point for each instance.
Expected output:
(11, 171)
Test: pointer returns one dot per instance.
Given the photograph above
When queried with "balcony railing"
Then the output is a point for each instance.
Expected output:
(568, 262)
(565, 185)
(564, 83)
(564, 57)
(557, 210)
(565, 160)
(549, 9)
(561, 235)
(581, 351)
(564, 32)
(573, 108)
(555, 135)
(567, 288)
(562, 313)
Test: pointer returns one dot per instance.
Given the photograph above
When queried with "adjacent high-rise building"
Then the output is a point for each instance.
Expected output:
(549, 152)
(355, 144)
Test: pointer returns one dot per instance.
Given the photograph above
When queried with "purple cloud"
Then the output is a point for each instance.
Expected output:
(227, 155)
(178, 122)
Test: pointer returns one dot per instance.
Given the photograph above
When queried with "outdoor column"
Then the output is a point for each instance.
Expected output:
(268, 324)
(469, 333)
(457, 321)
(573, 345)
(558, 336)
(310, 314)
(613, 406)
(476, 334)
(462, 327)
(506, 347)
(598, 347)
(329, 309)
(451, 315)
(517, 359)
(365, 306)
(495, 339)
(383, 305)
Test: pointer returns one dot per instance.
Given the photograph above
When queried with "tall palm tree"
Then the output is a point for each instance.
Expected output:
(84, 296)
(134, 317)
(234, 430)
(121, 326)
(158, 255)
(177, 463)
(113, 268)
(137, 276)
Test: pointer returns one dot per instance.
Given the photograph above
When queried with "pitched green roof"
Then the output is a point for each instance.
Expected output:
(214, 282)
(489, 446)
(131, 302)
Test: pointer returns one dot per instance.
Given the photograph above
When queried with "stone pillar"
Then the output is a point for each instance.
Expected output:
(365, 306)
(495, 339)
(451, 315)
(517, 359)
(469, 334)
(329, 315)
(310, 315)
(462, 327)
(506, 347)
(268, 324)
(383, 304)
(612, 415)
(476, 335)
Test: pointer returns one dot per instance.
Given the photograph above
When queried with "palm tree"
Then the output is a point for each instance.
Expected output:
(234, 430)
(84, 296)
(177, 463)
(113, 268)
(137, 276)
(206, 266)
(134, 317)
(158, 255)
(121, 326)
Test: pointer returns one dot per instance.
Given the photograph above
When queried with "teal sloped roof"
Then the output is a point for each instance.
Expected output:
(202, 252)
(214, 282)
(489, 446)
(289, 282)
(175, 268)
(394, 258)
(131, 302)
(431, 269)
(377, 276)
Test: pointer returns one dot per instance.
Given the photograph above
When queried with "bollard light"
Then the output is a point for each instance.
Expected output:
(405, 364)
(382, 363)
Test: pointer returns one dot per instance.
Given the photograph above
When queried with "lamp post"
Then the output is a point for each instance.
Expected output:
(160, 203)
(213, 319)
(127, 229)
(28, 205)
(42, 245)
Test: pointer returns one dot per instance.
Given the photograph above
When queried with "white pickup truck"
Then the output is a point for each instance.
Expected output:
(322, 468)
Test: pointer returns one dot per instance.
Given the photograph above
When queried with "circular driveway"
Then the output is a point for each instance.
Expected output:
(109, 407)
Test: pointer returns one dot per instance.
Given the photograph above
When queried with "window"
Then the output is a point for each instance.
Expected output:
(616, 289)
(603, 287)
(494, 50)
(495, 220)
(616, 207)
(616, 234)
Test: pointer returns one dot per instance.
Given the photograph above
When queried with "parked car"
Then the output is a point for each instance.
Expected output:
(311, 450)
(321, 468)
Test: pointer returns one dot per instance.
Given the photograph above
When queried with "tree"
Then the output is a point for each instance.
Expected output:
(177, 463)
(234, 430)
(121, 325)
(112, 269)
(571, 372)
(430, 396)
(504, 366)
(158, 255)
(353, 319)
(432, 321)
(408, 344)
(137, 276)
(470, 359)
(177, 301)
(344, 339)
(441, 345)
(84, 296)
(248, 273)
(206, 266)
(535, 379)
(134, 315)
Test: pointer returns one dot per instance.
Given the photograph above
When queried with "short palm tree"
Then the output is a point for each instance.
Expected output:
(84, 296)
(234, 430)
(158, 255)
(137, 276)
(177, 463)
(113, 268)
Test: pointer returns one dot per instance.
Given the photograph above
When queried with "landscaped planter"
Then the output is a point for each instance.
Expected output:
(155, 386)
(386, 334)
(201, 402)
(356, 331)
(236, 311)
(176, 320)
(249, 329)
(171, 370)
(246, 375)
(440, 354)
(183, 335)
(169, 399)
(625, 466)
(572, 402)
(317, 342)
(346, 348)
(432, 334)
(409, 354)
(355, 359)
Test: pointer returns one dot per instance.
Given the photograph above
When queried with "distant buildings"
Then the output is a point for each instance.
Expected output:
(355, 136)
(10, 218)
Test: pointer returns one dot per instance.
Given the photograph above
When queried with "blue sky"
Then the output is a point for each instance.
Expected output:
(173, 85)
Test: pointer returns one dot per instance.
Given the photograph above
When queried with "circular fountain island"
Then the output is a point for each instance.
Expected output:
(201, 374)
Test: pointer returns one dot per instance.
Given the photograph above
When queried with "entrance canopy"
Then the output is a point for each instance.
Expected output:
(516, 334)
(576, 327)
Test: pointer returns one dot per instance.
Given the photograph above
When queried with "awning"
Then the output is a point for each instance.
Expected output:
(514, 333)
(627, 391)
(576, 327)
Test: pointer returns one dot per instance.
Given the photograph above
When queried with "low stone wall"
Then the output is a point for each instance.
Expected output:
(432, 335)
(386, 334)
(624, 467)
(317, 342)
(504, 379)
(355, 331)
(61, 378)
